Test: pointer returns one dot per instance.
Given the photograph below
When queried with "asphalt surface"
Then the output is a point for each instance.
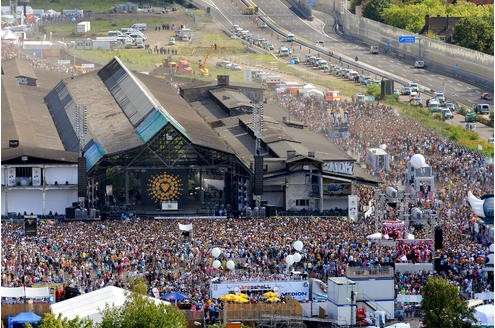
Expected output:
(322, 28)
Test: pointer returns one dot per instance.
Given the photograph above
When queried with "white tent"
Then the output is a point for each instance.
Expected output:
(312, 92)
(376, 235)
(89, 305)
(484, 314)
(8, 35)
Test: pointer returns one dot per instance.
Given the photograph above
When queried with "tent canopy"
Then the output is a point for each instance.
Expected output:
(174, 296)
(91, 304)
(484, 314)
(26, 317)
(376, 235)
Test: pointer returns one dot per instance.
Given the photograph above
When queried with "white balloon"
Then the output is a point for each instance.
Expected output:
(297, 257)
(298, 245)
(216, 264)
(289, 259)
(230, 265)
(215, 252)
(418, 161)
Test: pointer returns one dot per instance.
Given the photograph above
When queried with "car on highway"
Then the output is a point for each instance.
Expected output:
(486, 96)
(419, 64)
(373, 49)
(482, 109)
(471, 117)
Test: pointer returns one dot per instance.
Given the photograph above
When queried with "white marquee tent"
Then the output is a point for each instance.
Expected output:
(484, 314)
(89, 305)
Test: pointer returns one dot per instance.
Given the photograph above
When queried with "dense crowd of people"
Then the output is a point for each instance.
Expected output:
(456, 171)
(91, 255)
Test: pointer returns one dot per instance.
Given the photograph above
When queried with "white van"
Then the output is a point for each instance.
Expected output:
(140, 26)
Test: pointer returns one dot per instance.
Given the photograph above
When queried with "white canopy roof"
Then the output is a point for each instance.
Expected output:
(376, 235)
(484, 314)
(89, 305)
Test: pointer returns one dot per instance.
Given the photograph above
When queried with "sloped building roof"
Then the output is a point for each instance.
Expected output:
(114, 110)
(19, 67)
(25, 118)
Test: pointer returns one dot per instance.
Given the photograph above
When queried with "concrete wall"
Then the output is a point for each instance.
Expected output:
(473, 66)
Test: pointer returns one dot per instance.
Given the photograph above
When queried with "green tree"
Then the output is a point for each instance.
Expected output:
(373, 9)
(475, 32)
(140, 311)
(50, 321)
(375, 91)
(442, 306)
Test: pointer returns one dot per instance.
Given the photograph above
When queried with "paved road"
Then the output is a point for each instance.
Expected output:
(322, 29)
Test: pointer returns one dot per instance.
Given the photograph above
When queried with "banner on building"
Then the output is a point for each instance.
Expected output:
(298, 290)
(36, 176)
(11, 176)
(353, 206)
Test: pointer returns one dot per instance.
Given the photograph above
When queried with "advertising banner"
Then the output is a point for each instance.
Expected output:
(353, 206)
(298, 290)
(36, 176)
(11, 176)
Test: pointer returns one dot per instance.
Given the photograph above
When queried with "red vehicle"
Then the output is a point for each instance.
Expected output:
(486, 96)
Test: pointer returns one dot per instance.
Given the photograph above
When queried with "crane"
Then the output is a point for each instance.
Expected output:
(202, 66)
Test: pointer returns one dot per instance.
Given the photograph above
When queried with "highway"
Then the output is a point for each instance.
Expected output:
(281, 18)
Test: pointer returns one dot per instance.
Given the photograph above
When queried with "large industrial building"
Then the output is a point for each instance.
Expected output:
(113, 140)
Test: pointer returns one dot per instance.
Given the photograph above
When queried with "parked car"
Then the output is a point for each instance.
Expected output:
(452, 106)
(482, 109)
(294, 59)
(471, 117)
(414, 86)
(223, 63)
(406, 91)
(171, 41)
(447, 114)
(440, 96)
